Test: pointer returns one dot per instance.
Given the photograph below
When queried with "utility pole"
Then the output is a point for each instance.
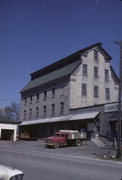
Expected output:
(119, 103)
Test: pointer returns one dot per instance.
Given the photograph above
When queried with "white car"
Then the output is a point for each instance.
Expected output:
(8, 173)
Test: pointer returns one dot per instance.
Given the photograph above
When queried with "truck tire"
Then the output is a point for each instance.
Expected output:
(56, 145)
(78, 143)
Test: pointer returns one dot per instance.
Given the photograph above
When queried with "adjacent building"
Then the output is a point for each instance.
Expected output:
(8, 128)
(70, 93)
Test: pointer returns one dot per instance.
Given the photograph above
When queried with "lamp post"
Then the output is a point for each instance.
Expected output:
(119, 103)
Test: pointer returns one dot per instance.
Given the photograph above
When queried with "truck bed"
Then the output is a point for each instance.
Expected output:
(74, 134)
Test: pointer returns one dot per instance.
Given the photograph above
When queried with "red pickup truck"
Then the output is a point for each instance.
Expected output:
(65, 138)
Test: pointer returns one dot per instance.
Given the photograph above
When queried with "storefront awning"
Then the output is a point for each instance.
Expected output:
(70, 117)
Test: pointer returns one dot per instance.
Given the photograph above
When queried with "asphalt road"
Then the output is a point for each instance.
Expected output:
(39, 163)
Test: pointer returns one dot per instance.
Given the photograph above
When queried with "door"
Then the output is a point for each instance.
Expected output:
(7, 134)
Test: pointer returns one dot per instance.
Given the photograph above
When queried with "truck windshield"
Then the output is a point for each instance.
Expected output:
(58, 135)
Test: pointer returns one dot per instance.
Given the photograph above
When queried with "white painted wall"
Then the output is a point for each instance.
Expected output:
(9, 127)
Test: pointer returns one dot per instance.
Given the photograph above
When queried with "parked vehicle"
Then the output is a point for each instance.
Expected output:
(65, 138)
(8, 173)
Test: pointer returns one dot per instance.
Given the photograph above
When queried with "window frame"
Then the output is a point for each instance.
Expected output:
(96, 91)
(31, 99)
(107, 94)
(85, 70)
(53, 92)
(30, 113)
(25, 114)
(37, 112)
(84, 89)
(106, 75)
(25, 101)
(62, 107)
(44, 110)
(45, 95)
(95, 54)
(96, 72)
(53, 109)
(37, 97)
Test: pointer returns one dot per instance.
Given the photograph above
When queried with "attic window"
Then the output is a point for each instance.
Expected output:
(95, 54)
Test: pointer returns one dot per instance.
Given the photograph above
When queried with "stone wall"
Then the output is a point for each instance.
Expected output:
(77, 79)
(37, 104)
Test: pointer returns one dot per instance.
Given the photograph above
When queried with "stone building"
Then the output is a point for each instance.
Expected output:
(64, 94)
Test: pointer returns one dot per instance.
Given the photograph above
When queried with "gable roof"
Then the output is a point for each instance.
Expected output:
(5, 120)
(69, 59)
(61, 68)
(62, 72)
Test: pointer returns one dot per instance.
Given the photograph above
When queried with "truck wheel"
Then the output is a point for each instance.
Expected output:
(56, 145)
(78, 143)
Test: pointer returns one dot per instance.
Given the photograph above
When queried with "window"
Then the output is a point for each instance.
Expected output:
(106, 75)
(62, 107)
(24, 114)
(107, 93)
(31, 99)
(25, 101)
(96, 91)
(85, 73)
(96, 73)
(95, 54)
(37, 112)
(45, 95)
(53, 109)
(53, 92)
(30, 113)
(44, 109)
(37, 98)
(84, 89)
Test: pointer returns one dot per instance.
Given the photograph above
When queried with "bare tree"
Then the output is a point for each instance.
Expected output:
(12, 111)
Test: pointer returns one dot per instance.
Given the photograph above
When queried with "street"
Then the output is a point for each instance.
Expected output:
(39, 163)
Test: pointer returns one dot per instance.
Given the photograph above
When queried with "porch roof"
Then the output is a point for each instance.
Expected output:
(70, 117)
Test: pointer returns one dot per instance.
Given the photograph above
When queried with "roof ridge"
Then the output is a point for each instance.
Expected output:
(67, 60)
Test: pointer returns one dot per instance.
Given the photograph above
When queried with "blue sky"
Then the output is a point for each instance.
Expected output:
(36, 33)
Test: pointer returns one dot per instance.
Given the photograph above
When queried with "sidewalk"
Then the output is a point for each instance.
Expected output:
(105, 152)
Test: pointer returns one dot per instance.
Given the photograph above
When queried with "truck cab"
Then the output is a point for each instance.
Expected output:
(56, 140)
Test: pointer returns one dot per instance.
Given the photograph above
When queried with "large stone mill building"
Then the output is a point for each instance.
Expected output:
(72, 93)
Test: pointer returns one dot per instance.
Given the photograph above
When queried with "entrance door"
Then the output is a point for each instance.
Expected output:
(113, 129)
(7, 134)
